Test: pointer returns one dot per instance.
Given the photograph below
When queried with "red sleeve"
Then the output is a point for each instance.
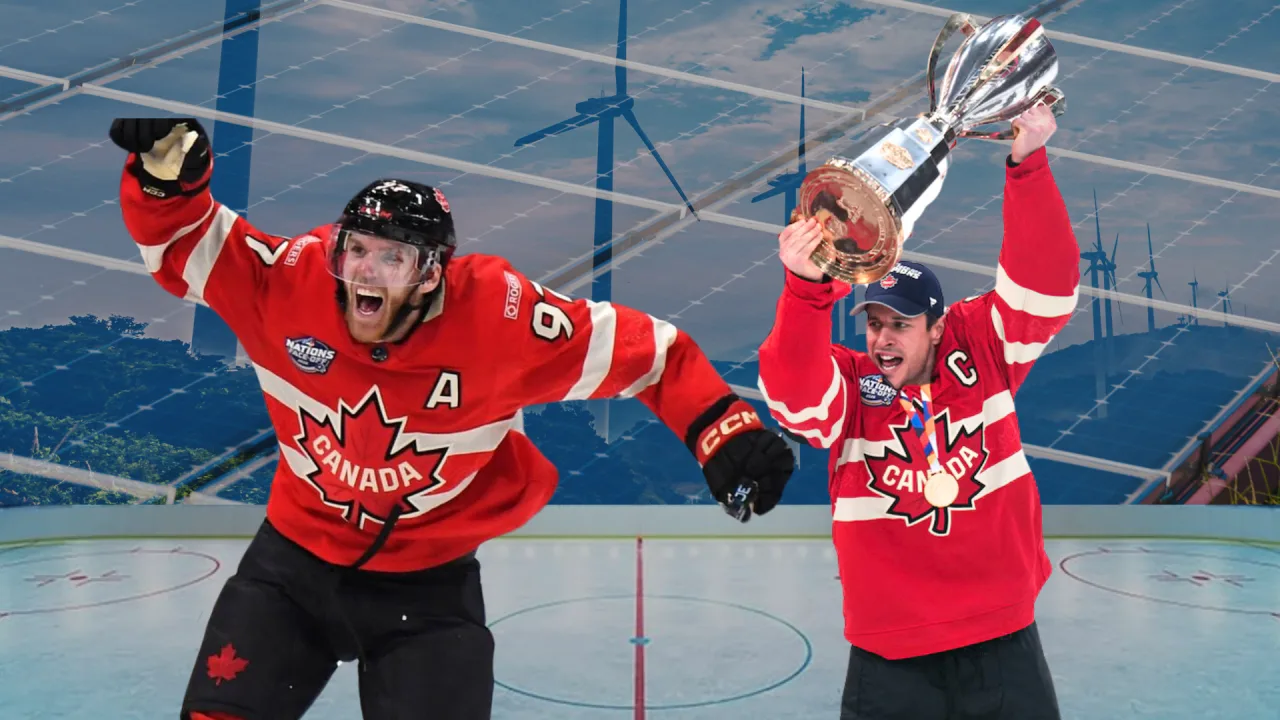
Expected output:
(198, 249)
(1037, 279)
(568, 349)
(804, 377)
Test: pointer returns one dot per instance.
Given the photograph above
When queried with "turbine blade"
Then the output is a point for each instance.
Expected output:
(635, 124)
(563, 126)
(771, 192)
(620, 71)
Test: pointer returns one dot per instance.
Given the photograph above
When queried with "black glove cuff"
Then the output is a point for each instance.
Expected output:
(703, 421)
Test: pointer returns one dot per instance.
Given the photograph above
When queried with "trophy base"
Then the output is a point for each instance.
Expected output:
(868, 206)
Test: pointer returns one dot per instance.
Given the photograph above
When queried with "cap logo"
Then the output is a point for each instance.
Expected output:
(888, 281)
(908, 271)
(444, 204)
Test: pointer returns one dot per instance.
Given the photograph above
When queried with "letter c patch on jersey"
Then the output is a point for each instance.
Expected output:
(960, 365)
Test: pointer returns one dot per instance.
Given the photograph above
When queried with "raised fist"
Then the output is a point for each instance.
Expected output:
(1033, 129)
(139, 135)
(173, 153)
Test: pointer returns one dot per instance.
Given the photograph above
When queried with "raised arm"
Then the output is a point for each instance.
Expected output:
(195, 247)
(804, 377)
(564, 349)
(1038, 276)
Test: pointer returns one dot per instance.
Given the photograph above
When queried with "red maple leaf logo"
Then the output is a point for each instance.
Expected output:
(364, 464)
(225, 665)
(901, 473)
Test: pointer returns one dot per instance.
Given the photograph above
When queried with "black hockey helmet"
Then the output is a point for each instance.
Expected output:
(407, 225)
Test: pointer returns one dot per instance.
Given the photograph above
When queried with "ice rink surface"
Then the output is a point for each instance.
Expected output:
(725, 628)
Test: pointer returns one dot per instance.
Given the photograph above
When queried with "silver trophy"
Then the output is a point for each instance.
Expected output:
(868, 205)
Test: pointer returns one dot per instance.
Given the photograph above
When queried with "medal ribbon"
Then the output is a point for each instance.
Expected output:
(921, 416)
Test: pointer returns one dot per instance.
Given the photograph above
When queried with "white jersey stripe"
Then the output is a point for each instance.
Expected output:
(820, 412)
(1002, 473)
(153, 255)
(1031, 302)
(664, 335)
(422, 502)
(200, 263)
(851, 509)
(1015, 352)
(836, 397)
(861, 508)
(995, 408)
(599, 359)
(825, 440)
(484, 438)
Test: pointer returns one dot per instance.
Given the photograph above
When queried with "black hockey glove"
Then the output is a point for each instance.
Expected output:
(746, 465)
(173, 154)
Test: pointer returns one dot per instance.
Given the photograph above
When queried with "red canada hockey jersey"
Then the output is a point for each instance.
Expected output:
(434, 426)
(917, 579)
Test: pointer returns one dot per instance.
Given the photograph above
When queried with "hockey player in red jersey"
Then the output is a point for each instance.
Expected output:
(395, 375)
(936, 516)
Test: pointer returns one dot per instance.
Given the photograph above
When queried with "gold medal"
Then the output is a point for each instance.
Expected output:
(941, 489)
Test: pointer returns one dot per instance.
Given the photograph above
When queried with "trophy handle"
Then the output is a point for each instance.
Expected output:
(1051, 96)
(958, 21)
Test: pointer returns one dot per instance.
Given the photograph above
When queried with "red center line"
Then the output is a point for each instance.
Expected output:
(639, 639)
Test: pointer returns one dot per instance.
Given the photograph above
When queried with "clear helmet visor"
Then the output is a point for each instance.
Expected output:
(377, 262)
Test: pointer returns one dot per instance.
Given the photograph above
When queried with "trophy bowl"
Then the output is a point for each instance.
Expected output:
(868, 205)
(860, 233)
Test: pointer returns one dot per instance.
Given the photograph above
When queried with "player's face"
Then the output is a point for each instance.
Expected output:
(379, 277)
(902, 347)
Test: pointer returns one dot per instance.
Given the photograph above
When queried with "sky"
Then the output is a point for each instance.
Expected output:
(440, 92)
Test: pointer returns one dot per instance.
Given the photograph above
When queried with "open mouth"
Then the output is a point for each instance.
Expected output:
(888, 361)
(368, 303)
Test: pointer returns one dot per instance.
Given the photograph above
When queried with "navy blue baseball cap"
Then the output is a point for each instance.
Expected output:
(910, 289)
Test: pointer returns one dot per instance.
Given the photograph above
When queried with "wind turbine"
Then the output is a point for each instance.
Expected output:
(1097, 261)
(787, 185)
(1109, 282)
(1195, 284)
(1150, 276)
(1108, 268)
(1226, 302)
(604, 110)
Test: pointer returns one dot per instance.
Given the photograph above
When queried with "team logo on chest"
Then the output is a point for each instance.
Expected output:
(309, 354)
(875, 391)
(901, 470)
(365, 465)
